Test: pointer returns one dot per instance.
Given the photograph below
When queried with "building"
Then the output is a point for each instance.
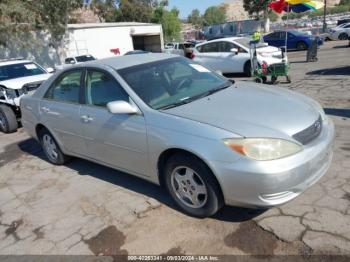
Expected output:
(107, 39)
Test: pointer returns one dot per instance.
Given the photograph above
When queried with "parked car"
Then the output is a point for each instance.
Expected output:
(295, 39)
(164, 118)
(137, 52)
(343, 21)
(341, 32)
(17, 78)
(183, 49)
(78, 59)
(232, 55)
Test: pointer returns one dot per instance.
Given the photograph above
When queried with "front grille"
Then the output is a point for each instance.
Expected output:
(307, 135)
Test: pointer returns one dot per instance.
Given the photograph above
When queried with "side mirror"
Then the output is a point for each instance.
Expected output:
(234, 50)
(122, 107)
(72, 62)
(50, 70)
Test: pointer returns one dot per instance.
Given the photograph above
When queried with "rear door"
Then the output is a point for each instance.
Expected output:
(59, 110)
(116, 139)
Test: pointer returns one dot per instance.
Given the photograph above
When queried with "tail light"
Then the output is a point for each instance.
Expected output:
(192, 56)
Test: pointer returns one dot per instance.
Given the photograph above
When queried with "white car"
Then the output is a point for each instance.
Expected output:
(17, 78)
(232, 55)
(341, 32)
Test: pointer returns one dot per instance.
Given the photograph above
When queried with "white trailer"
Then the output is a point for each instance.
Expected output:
(108, 39)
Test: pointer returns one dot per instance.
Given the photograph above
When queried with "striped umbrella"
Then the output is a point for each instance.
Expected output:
(303, 7)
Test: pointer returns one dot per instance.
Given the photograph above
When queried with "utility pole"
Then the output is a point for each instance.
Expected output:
(324, 16)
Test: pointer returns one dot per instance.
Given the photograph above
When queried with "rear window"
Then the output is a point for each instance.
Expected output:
(13, 71)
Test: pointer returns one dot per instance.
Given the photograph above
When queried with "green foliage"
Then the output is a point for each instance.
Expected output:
(104, 9)
(195, 18)
(214, 15)
(344, 2)
(171, 26)
(134, 11)
(273, 16)
(254, 7)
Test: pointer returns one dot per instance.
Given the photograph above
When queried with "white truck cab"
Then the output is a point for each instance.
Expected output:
(18, 77)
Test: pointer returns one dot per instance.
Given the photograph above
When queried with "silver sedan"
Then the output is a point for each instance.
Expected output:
(173, 122)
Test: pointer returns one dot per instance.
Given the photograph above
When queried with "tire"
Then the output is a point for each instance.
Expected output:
(273, 79)
(343, 36)
(51, 149)
(301, 46)
(197, 182)
(8, 120)
(259, 80)
(288, 79)
(247, 69)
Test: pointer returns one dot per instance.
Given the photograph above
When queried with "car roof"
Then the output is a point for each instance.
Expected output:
(13, 62)
(120, 62)
(232, 38)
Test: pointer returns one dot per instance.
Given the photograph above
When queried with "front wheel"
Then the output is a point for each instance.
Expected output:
(8, 120)
(192, 186)
(301, 46)
(247, 69)
(343, 36)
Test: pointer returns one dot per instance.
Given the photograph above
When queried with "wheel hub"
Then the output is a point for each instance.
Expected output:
(189, 187)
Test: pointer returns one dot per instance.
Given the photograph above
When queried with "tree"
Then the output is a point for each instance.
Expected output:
(256, 7)
(134, 11)
(171, 26)
(104, 9)
(214, 15)
(195, 18)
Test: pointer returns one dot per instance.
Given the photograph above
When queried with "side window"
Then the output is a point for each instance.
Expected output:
(102, 88)
(282, 35)
(69, 60)
(226, 47)
(210, 48)
(66, 88)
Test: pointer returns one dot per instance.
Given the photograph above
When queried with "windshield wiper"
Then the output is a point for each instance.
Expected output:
(208, 93)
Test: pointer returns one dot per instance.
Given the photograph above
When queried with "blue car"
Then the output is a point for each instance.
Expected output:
(295, 39)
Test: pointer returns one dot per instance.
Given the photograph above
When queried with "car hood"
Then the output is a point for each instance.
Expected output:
(252, 110)
(18, 83)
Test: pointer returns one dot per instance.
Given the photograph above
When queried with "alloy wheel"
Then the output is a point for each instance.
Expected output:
(189, 187)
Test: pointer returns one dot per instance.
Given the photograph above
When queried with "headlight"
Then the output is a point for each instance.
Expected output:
(263, 148)
(11, 94)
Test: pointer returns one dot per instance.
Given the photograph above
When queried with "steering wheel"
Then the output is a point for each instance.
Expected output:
(181, 85)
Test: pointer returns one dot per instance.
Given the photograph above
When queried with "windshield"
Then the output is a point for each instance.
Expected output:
(84, 58)
(172, 82)
(13, 71)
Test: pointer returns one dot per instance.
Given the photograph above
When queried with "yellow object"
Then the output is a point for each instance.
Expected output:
(256, 36)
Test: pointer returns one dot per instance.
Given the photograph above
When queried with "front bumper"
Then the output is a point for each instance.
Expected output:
(252, 183)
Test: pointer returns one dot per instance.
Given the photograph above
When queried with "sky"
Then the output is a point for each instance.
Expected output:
(186, 6)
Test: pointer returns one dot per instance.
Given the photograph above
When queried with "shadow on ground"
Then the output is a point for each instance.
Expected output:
(138, 185)
(343, 70)
(338, 112)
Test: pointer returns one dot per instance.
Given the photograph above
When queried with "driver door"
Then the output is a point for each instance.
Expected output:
(116, 139)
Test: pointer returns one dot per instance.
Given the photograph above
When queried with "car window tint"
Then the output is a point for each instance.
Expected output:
(226, 46)
(69, 60)
(210, 48)
(66, 88)
(102, 88)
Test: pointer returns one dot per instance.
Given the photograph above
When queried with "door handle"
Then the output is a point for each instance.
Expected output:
(45, 109)
(86, 119)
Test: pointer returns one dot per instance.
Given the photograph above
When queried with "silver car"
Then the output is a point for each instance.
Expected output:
(208, 140)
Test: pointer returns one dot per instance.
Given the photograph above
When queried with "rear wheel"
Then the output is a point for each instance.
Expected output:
(248, 69)
(8, 120)
(301, 46)
(51, 148)
(343, 36)
(192, 186)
